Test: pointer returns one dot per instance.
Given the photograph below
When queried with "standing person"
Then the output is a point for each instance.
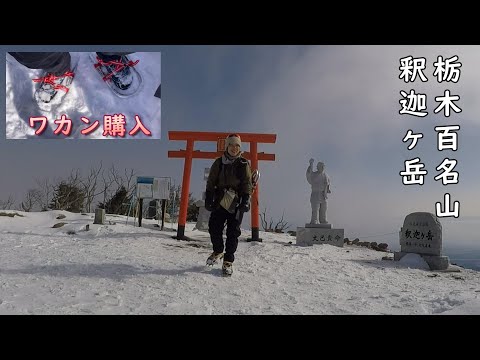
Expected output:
(320, 183)
(59, 71)
(228, 191)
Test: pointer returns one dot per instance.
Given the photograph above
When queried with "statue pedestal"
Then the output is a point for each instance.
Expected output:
(319, 226)
(319, 234)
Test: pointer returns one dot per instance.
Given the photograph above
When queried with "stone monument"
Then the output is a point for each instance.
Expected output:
(203, 213)
(318, 230)
(203, 216)
(99, 216)
(421, 234)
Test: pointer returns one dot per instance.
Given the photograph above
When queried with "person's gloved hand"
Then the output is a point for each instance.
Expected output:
(209, 204)
(244, 205)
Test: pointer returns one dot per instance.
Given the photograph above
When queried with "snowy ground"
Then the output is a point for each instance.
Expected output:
(119, 268)
(88, 96)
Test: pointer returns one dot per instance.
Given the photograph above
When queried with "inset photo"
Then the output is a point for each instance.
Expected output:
(83, 95)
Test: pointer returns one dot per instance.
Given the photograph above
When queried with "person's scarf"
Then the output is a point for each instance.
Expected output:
(229, 159)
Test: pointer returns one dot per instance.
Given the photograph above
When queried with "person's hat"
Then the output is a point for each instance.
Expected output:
(233, 139)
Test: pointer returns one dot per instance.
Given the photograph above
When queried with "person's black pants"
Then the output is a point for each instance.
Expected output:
(216, 224)
(52, 62)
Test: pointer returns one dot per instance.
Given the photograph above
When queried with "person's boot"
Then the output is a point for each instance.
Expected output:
(214, 258)
(227, 268)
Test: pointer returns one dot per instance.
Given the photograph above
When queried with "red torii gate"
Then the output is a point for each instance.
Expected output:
(219, 138)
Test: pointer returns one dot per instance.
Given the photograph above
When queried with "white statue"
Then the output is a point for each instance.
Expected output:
(320, 183)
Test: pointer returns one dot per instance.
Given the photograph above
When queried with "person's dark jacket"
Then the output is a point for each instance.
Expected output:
(236, 176)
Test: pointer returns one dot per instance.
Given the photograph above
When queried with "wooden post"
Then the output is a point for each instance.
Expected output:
(140, 211)
(164, 209)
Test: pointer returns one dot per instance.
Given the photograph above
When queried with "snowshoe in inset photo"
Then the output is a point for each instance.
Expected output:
(52, 87)
(119, 74)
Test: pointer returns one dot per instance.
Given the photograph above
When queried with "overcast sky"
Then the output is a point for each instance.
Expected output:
(337, 104)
